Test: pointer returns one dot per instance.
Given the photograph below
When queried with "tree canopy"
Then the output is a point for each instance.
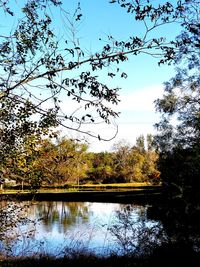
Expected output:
(178, 140)
(179, 128)
(37, 67)
(181, 98)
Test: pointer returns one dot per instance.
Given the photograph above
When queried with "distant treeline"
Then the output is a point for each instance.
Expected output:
(61, 161)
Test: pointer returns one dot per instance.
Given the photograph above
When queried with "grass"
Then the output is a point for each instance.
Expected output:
(84, 187)
(114, 193)
(134, 184)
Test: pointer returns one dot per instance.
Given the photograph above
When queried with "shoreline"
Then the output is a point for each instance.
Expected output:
(126, 196)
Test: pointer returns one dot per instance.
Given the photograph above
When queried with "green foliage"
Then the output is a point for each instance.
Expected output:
(61, 162)
(32, 59)
(125, 164)
(136, 164)
(140, 144)
(178, 138)
(101, 169)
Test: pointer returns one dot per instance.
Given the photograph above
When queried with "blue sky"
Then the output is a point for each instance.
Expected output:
(145, 78)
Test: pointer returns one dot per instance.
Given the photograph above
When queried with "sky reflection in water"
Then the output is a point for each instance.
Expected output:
(70, 226)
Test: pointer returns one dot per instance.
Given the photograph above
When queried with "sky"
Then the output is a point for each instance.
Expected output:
(144, 83)
(145, 78)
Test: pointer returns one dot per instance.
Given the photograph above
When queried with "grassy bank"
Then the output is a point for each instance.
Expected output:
(120, 193)
(85, 187)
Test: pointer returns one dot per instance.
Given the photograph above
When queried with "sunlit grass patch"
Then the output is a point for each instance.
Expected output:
(84, 187)
(134, 184)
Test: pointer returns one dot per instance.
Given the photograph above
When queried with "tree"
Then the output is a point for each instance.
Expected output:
(19, 163)
(64, 161)
(178, 141)
(135, 164)
(150, 142)
(36, 67)
(121, 161)
(140, 143)
(179, 128)
(101, 170)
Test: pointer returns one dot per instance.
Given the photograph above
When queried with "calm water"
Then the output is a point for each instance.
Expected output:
(63, 227)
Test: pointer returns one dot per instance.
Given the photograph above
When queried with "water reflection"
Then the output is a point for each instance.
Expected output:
(98, 227)
(135, 233)
(61, 215)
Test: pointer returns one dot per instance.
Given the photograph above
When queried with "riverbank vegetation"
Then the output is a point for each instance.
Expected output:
(38, 69)
(160, 257)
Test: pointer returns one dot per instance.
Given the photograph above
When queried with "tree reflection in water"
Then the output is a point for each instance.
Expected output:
(61, 215)
(102, 228)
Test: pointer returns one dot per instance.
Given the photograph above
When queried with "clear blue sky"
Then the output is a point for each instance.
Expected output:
(145, 77)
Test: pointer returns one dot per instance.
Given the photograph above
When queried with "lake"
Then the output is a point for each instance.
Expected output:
(59, 228)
